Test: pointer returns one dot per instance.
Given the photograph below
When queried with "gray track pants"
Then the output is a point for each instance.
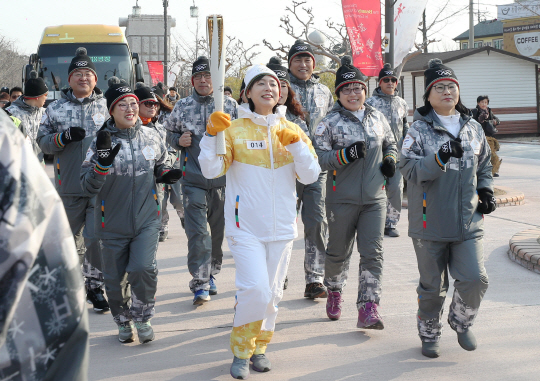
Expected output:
(202, 207)
(173, 194)
(311, 198)
(366, 222)
(465, 262)
(80, 214)
(394, 194)
(130, 272)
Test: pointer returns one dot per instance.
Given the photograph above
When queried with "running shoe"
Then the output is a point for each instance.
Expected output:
(144, 331)
(213, 287)
(201, 297)
(315, 290)
(368, 317)
(97, 299)
(333, 305)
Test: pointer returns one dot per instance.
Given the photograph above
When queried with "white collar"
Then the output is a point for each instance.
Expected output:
(269, 120)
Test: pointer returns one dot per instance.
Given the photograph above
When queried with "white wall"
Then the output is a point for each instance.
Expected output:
(508, 81)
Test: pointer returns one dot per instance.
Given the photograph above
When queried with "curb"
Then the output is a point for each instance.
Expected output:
(512, 197)
(525, 249)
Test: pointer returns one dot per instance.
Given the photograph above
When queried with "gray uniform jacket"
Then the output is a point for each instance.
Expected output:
(360, 182)
(126, 199)
(58, 117)
(30, 116)
(191, 114)
(43, 318)
(395, 109)
(316, 99)
(449, 192)
(298, 121)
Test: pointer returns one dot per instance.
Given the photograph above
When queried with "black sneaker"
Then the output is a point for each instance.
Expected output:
(286, 283)
(495, 175)
(315, 290)
(163, 236)
(182, 221)
(97, 299)
(391, 232)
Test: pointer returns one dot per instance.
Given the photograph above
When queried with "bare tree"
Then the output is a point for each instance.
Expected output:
(11, 63)
(432, 26)
(238, 58)
(298, 24)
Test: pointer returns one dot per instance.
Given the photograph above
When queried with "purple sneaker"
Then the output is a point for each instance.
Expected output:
(369, 318)
(333, 305)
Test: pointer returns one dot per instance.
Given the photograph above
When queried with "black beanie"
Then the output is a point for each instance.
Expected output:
(144, 93)
(347, 74)
(35, 86)
(81, 61)
(281, 71)
(437, 72)
(158, 90)
(4, 90)
(300, 47)
(200, 65)
(387, 71)
(118, 89)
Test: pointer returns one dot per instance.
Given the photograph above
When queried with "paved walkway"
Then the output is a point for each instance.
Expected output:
(193, 344)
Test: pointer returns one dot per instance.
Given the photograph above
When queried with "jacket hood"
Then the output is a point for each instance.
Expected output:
(343, 111)
(68, 94)
(313, 79)
(25, 106)
(245, 113)
(110, 126)
(379, 93)
(428, 115)
(202, 99)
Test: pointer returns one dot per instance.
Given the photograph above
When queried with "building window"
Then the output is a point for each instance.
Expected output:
(464, 45)
(498, 44)
(478, 44)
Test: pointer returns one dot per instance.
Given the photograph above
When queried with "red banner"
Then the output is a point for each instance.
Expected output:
(363, 22)
(156, 71)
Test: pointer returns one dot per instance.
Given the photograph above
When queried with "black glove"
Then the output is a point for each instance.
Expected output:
(451, 148)
(388, 167)
(73, 134)
(105, 154)
(170, 177)
(487, 202)
(355, 151)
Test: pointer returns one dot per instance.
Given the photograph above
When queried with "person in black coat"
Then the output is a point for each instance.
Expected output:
(483, 115)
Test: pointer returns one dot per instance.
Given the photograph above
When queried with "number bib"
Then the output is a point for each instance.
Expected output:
(256, 144)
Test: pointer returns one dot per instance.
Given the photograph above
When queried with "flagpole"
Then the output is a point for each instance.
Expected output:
(389, 30)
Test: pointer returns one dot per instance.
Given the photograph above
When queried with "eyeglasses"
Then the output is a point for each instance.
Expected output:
(451, 88)
(198, 76)
(150, 104)
(80, 75)
(386, 80)
(124, 106)
(357, 90)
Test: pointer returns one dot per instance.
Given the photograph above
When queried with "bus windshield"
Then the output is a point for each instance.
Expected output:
(110, 60)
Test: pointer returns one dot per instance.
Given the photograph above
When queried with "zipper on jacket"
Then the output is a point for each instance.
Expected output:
(132, 182)
(460, 203)
(272, 169)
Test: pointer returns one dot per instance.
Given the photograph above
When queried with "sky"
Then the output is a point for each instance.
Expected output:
(249, 20)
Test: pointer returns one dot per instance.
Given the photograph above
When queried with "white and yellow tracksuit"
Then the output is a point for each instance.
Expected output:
(260, 215)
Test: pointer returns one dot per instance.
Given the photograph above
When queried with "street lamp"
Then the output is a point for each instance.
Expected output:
(194, 13)
(165, 69)
(194, 10)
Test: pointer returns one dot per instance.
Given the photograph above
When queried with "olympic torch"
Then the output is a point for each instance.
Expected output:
(215, 37)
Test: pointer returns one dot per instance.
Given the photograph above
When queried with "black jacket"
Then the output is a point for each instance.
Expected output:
(489, 124)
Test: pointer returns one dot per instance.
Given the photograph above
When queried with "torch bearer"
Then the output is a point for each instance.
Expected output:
(217, 69)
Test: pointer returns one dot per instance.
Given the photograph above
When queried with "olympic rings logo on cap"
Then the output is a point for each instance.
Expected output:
(81, 63)
(281, 73)
(444, 72)
(388, 72)
(349, 75)
(123, 89)
(301, 47)
(200, 67)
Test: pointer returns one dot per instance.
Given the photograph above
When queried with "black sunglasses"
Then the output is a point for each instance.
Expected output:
(150, 104)
(386, 80)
